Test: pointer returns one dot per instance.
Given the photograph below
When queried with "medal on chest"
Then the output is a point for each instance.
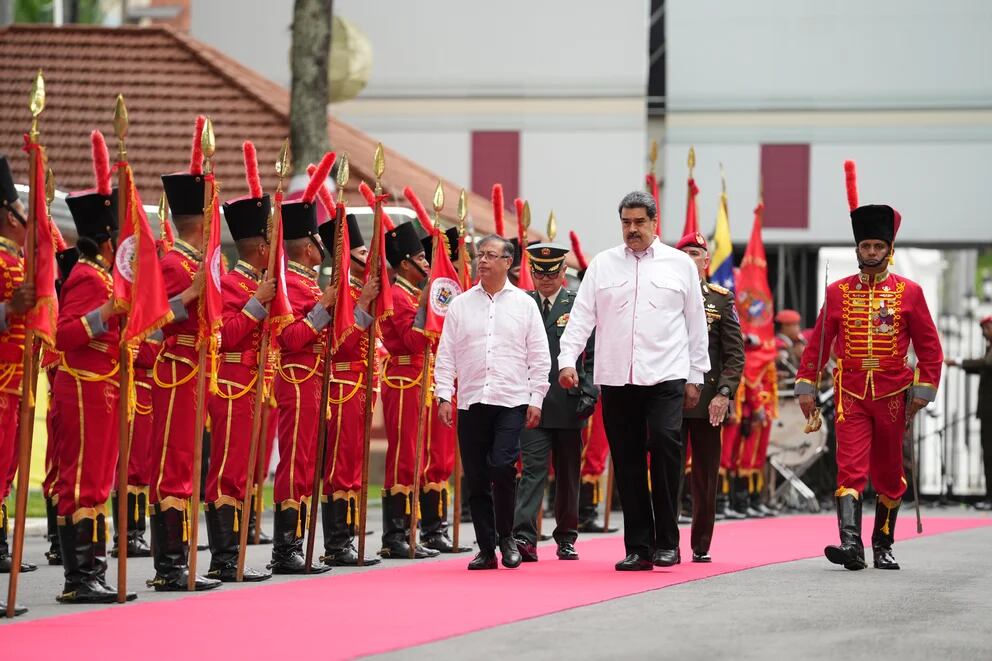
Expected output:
(883, 318)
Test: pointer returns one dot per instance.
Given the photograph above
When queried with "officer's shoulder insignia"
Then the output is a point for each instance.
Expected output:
(562, 320)
(718, 289)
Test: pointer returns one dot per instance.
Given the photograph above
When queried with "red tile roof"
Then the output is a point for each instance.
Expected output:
(167, 78)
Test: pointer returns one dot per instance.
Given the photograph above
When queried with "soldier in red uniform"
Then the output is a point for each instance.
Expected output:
(86, 395)
(173, 391)
(298, 385)
(346, 410)
(401, 375)
(595, 450)
(761, 406)
(245, 291)
(871, 318)
(732, 497)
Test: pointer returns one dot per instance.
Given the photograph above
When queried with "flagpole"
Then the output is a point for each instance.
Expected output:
(208, 146)
(29, 381)
(456, 518)
(425, 377)
(282, 170)
(337, 264)
(124, 400)
(378, 167)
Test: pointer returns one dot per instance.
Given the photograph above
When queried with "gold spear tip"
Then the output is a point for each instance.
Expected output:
(282, 165)
(526, 216)
(723, 180)
(379, 162)
(207, 141)
(552, 226)
(654, 151)
(438, 198)
(120, 117)
(49, 186)
(462, 206)
(344, 172)
(692, 157)
(38, 94)
(162, 213)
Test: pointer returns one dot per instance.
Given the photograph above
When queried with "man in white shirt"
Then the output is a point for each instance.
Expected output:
(644, 301)
(494, 344)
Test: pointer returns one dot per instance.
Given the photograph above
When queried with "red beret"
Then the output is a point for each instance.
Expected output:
(788, 317)
(986, 320)
(692, 240)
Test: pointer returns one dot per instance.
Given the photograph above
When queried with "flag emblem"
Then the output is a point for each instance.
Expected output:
(443, 291)
(126, 257)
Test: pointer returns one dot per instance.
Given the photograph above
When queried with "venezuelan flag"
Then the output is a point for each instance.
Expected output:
(722, 259)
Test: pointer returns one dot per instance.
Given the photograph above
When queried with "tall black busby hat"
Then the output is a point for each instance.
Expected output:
(402, 242)
(185, 190)
(871, 221)
(248, 216)
(94, 211)
(8, 192)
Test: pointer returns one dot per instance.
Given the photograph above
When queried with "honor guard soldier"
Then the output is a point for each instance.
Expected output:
(245, 291)
(760, 409)
(702, 424)
(298, 382)
(563, 415)
(174, 384)
(439, 450)
(16, 298)
(346, 409)
(86, 392)
(401, 375)
(870, 319)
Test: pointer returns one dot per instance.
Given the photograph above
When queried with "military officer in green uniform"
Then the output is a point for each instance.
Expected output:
(701, 424)
(559, 436)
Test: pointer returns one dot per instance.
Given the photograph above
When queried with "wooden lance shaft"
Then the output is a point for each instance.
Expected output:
(124, 402)
(456, 517)
(418, 455)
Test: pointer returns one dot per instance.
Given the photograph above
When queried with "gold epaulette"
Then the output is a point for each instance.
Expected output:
(718, 289)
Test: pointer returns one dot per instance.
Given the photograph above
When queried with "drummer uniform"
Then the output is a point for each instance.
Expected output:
(870, 320)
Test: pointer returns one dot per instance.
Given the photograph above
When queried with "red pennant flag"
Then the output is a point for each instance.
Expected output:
(524, 280)
(280, 309)
(442, 287)
(211, 305)
(652, 182)
(384, 301)
(41, 318)
(344, 306)
(691, 223)
(387, 223)
(464, 264)
(754, 302)
(139, 288)
(166, 238)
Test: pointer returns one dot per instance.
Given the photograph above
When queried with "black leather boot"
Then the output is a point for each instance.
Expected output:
(730, 504)
(318, 566)
(434, 522)
(54, 552)
(81, 561)
(262, 537)
(137, 547)
(222, 530)
(739, 495)
(100, 555)
(338, 518)
(851, 551)
(6, 562)
(396, 531)
(286, 543)
(588, 510)
(169, 539)
(884, 532)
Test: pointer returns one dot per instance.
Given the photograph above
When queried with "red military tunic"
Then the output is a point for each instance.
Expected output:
(870, 322)
(761, 398)
(401, 383)
(173, 392)
(86, 393)
(595, 450)
(140, 427)
(346, 416)
(232, 407)
(11, 361)
(297, 387)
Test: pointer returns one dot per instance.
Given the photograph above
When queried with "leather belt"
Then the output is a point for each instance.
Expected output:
(405, 360)
(246, 358)
(880, 363)
(353, 366)
(185, 340)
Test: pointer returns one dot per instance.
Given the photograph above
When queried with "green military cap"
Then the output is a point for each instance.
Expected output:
(546, 257)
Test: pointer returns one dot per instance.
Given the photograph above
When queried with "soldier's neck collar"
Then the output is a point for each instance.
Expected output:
(868, 278)
(300, 269)
(11, 247)
(188, 250)
(356, 282)
(407, 285)
(247, 270)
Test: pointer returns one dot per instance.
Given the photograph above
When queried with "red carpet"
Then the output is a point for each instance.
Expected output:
(342, 616)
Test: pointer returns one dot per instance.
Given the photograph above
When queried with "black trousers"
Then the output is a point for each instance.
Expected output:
(489, 440)
(564, 448)
(704, 439)
(985, 434)
(643, 420)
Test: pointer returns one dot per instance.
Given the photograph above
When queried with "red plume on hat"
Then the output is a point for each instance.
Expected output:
(418, 206)
(851, 179)
(101, 163)
(498, 209)
(318, 177)
(518, 204)
(577, 250)
(326, 199)
(369, 196)
(251, 170)
(196, 157)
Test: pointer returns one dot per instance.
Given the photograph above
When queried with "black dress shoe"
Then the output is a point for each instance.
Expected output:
(701, 557)
(850, 557)
(181, 583)
(983, 505)
(566, 551)
(594, 526)
(884, 559)
(528, 552)
(510, 555)
(6, 562)
(18, 610)
(229, 574)
(484, 560)
(346, 557)
(634, 562)
(666, 557)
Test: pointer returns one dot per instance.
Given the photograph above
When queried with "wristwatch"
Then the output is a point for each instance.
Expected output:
(724, 390)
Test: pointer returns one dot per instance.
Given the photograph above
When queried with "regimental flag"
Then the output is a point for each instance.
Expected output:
(722, 259)
(754, 304)
(652, 183)
(384, 301)
(139, 288)
(280, 309)
(41, 318)
(524, 280)
(211, 304)
(337, 243)
(691, 213)
(442, 287)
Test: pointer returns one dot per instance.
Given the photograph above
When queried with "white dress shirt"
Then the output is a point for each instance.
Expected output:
(648, 313)
(496, 347)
